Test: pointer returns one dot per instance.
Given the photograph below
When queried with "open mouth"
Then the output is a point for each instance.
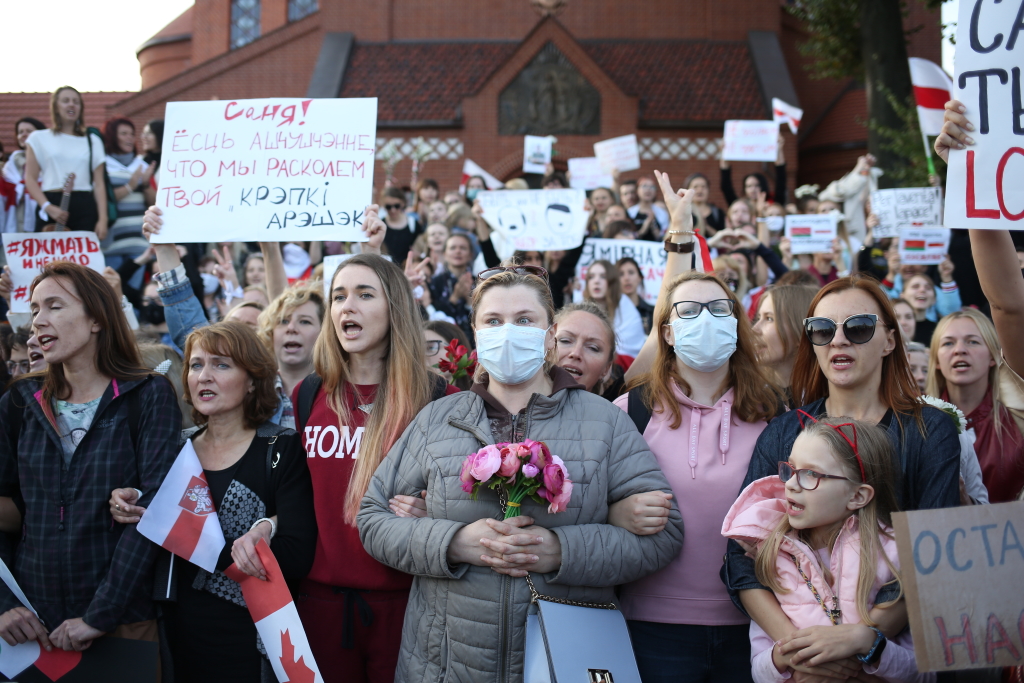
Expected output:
(351, 329)
(575, 372)
(293, 347)
(46, 341)
(34, 357)
(961, 365)
(793, 508)
(206, 394)
(841, 362)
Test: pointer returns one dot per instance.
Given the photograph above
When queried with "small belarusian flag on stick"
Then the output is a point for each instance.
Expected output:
(932, 89)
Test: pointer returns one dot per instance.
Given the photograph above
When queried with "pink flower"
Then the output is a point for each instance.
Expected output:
(539, 453)
(484, 463)
(530, 471)
(509, 463)
(555, 475)
(561, 501)
(465, 476)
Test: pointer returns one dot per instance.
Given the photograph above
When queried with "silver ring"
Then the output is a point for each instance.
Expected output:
(117, 507)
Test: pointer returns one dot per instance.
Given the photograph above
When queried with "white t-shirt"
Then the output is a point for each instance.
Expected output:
(59, 154)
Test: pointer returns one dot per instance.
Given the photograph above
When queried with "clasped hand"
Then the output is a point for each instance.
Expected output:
(514, 547)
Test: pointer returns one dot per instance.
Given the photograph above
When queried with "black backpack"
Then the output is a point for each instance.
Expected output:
(311, 385)
(637, 410)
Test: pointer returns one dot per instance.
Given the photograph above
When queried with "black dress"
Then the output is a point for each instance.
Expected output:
(212, 639)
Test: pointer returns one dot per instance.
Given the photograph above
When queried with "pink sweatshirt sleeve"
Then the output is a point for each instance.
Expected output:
(897, 663)
(762, 668)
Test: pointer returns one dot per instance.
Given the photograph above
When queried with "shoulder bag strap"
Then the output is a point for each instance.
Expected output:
(637, 409)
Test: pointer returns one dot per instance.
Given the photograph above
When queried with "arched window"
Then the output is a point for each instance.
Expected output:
(245, 22)
(298, 9)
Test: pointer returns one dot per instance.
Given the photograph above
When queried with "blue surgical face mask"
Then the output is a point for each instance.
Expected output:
(472, 192)
(511, 354)
(704, 343)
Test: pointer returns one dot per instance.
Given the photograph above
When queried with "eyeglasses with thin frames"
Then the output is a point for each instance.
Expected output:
(720, 308)
(15, 365)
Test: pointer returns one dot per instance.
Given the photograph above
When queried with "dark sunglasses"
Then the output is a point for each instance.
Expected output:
(858, 329)
(808, 480)
(522, 270)
(393, 207)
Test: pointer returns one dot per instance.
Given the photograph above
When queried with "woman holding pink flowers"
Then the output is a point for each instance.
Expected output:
(520, 473)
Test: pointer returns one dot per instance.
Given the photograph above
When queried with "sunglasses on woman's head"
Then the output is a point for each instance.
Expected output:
(522, 270)
(858, 329)
(393, 207)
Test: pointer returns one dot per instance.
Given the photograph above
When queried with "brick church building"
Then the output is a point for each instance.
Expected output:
(470, 79)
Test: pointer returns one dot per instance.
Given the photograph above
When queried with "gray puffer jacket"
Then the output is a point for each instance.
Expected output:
(468, 623)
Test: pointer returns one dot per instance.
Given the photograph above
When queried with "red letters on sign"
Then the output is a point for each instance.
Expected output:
(999, 184)
(966, 638)
(972, 211)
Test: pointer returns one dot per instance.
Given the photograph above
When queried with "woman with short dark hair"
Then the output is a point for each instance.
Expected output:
(129, 174)
(14, 173)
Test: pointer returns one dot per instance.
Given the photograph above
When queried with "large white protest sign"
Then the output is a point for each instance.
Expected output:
(27, 253)
(271, 170)
(537, 220)
(536, 154)
(905, 207)
(810, 234)
(985, 182)
(650, 256)
(618, 154)
(924, 246)
(586, 173)
(751, 141)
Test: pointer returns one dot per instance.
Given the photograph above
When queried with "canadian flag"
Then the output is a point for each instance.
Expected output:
(932, 89)
(271, 607)
(470, 169)
(786, 113)
(181, 517)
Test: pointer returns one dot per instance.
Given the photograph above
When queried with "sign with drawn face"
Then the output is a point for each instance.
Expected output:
(537, 220)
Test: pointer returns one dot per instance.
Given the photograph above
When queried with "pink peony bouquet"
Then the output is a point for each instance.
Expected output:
(522, 469)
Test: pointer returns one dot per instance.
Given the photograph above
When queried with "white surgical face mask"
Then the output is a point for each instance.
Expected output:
(511, 354)
(705, 343)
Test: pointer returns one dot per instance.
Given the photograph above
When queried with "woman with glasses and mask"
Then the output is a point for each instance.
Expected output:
(467, 610)
(706, 391)
(403, 228)
(850, 362)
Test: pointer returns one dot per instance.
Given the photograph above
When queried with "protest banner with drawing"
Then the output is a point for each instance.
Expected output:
(537, 220)
(650, 256)
(750, 141)
(985, 181)
(924, 246)
(618, 154)
(276, 170)
(810, 234)
(961, 570)
(27, 253)
(905, 207)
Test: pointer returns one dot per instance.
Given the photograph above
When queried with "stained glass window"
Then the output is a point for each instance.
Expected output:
(245, 22)
(297, 9)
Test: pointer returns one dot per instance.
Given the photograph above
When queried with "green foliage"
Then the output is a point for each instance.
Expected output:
(834, 37)
(907, 144)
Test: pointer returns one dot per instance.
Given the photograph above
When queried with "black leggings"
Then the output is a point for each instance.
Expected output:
(82, 211)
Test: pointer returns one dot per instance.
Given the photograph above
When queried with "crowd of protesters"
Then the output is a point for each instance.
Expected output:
(766, 410)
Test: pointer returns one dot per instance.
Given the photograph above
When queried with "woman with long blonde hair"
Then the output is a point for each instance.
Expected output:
(966, 368)
(371, 380)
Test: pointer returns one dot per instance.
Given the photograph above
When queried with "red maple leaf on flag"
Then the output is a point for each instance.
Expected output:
(297, 672)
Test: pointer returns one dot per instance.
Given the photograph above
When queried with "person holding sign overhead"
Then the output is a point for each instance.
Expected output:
(53, 154)
(95, 421)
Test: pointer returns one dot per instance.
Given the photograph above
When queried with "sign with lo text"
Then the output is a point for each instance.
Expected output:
(924, 246)
(905, 207)
(274, 170)
(618, 154)
(810, 234)
(751, 141)
(961, 570)
(650, 256)
(27, 253)
(985, 181)
(537, 220)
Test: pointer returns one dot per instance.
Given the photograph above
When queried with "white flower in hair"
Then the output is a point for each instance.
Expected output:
(955, 413)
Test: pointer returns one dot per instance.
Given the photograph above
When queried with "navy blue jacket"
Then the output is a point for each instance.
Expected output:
(929, 464)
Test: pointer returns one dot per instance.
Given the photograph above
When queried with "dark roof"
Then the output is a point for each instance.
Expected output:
(683, 80)
(15, 105)
(675, 80)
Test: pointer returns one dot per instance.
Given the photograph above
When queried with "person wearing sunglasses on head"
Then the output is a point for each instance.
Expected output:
(850, 362)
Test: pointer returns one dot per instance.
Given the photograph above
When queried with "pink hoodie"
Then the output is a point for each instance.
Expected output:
(753, 518)
(705, 461)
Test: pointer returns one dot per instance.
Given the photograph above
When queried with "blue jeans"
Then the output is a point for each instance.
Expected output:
(685, 653)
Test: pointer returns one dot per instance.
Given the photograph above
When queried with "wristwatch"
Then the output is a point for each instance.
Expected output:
(679, 248)
(875, 653)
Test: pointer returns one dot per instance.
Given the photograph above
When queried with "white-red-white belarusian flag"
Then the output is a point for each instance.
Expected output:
(470, 169)
(786, 113)
(181, 517)
(932, 89)
(272, 610)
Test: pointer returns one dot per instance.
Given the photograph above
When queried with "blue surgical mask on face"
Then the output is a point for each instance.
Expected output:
(472, 192)
(511, 354)
(704, 343)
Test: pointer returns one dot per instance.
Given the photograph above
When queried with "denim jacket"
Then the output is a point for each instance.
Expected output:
(929, 467)
(182, 310)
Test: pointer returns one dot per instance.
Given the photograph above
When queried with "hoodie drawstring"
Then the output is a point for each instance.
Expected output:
(723, 441)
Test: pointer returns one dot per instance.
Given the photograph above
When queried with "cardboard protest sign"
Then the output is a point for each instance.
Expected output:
(537, 220)
(905, 207)
(961, 569)
(273, 170)
(649, 255)
(536, 154)
(810, 234)
(27, 253)
(618, 154)
(751, 141)
(924, 246)
(586, 173)
(985, 181)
